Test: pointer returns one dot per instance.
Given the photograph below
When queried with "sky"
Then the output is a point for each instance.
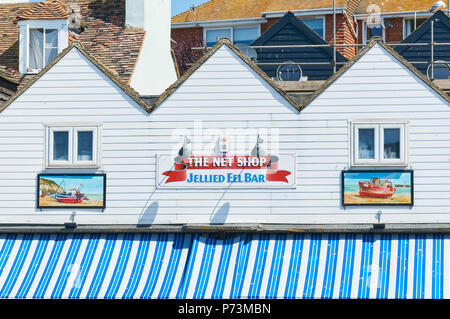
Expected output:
(179, 6)
(395, 178)
(91, 184)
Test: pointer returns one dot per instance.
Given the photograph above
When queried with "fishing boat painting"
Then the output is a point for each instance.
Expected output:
(377, 187)
(71, 191)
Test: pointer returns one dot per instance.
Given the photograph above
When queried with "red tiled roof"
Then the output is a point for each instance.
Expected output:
(45, 10)
(242, 9)
(104, 35)
(395, 5)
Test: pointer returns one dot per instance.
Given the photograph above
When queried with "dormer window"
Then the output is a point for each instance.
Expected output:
(40, 42)
(43, 34)
(43, 48)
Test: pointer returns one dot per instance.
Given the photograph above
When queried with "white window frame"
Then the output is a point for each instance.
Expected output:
(72, 161)
(379, 127)
(24, 39)
(366, 161)
(231, 28)
(406, 20)
(43, 45)
(50, 160)
(94, 130)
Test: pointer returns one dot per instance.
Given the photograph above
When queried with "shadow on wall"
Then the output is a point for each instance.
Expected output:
(221, 214)
(148, 215)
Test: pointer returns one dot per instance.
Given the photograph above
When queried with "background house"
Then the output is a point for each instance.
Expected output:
(392, 20)
(245, 21)
(290, 30)
(441, 34)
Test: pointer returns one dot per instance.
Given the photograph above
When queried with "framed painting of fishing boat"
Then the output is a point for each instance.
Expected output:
(376, 187)
(71, 191)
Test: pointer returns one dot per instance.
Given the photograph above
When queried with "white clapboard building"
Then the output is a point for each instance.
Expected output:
(225, 187)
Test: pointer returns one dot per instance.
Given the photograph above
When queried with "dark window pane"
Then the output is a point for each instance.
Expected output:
(366, 147)
(213, 35)
(392, 143)
(245, 35)
(61, 146)
(85, 142)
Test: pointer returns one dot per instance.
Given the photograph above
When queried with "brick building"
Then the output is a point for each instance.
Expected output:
(243, 21)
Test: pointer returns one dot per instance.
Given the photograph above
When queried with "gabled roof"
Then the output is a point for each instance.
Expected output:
(45, 10)
(75, 45)
(290, 18)
(104, 35)
(394, 5)
(439, 17)
(361, 53)
(204, 58)
(244, 9)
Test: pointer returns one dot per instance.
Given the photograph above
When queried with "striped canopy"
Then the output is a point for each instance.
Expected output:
(239, 266)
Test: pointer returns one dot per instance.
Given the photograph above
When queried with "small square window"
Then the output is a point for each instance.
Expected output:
(378, 144)
(75, 146)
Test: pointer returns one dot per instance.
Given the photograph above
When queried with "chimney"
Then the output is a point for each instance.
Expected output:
(155, 69)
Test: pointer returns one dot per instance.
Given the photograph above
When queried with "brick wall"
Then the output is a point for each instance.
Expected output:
(394, 29)
(185, 39)
(344, 35)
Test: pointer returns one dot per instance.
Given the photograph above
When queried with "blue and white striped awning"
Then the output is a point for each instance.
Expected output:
(242, 266)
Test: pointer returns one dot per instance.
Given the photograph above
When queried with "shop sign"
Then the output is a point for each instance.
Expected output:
(226, 171)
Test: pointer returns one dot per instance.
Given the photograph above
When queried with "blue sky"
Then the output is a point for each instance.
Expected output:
(91, 184)
(395, 178)
(179, 6)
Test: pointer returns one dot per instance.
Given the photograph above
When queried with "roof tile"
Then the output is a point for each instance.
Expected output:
(242, 9)
(104, 35)
(45, 10)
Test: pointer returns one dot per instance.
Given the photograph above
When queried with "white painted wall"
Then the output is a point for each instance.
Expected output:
(224, 93)
(155, 69)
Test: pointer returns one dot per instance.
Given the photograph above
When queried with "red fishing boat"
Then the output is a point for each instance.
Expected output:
(72, 197)
(376, 188)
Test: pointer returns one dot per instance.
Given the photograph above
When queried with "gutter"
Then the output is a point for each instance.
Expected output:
(263, 19)
(299, 13)
(230, 228)
(217, 23)
(401, 14)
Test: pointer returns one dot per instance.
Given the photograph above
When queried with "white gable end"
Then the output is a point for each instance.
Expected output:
(74, 86)
(376, 83)
(225, 84)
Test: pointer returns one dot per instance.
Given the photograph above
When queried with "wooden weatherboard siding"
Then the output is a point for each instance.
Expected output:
(290, 30)
(223, 93)
(423, 35)
(73, 91)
